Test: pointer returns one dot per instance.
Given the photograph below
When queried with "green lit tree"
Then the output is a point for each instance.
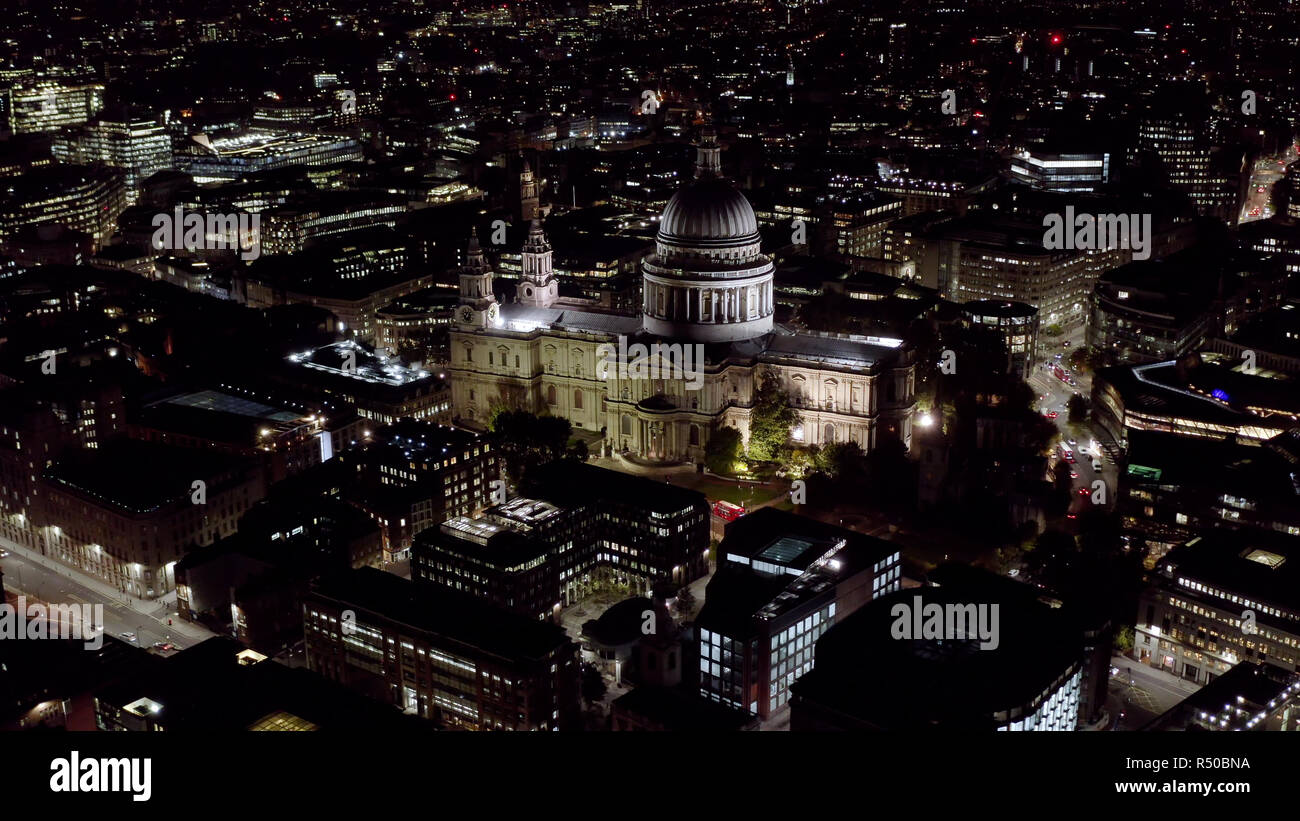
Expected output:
(771, 419)
(723, 451)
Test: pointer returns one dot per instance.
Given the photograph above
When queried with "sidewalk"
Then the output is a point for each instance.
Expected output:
(624, 465)
(160, 609)
(1166, 678)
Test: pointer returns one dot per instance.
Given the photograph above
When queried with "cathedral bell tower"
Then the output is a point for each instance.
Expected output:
(478, 305)
(529, 201)
(538, 286)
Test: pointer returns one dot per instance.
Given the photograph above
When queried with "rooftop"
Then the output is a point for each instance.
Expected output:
(892, 683)
(569, 483)
(458, 618)
(136, 476)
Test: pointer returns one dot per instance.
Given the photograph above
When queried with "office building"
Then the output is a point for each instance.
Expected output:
(220, 686)
(1194, 397)
(1166, 495)
(1052, 171)
(782, 581)
(1220, 599)
(225, 158)
(137, 145)
(872, 676)
(1016, 323)
(1249, 697)
(127, 511)
(491, 562)
(440, 654)
(83, 198)
(46, 106)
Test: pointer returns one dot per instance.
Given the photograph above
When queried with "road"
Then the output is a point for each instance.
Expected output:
(1142, 693)
(62, 585)
(1267, 171)
(1058, 394)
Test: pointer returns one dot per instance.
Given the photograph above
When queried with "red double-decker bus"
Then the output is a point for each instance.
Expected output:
(726, 511)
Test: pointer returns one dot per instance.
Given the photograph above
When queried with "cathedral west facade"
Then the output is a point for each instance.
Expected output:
(708, 291)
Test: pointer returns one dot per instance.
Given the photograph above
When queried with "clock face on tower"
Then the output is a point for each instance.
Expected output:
(492, 313)
(466, 315)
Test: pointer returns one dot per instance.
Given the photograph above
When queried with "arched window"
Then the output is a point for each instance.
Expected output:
(550, 394)
(577, 399)
(625, 425)
(469, 353)
(829, 434)
(490, 358)
(695, 434)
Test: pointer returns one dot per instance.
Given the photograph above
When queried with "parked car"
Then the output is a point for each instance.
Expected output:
(128, 636)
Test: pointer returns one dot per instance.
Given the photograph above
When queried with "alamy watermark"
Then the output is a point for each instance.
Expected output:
(947, 622)
(133, 776)
(210, 232)
(1093, 232)
(655, 361)
(84, 622)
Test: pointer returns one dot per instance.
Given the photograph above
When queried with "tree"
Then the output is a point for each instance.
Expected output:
(1078, 359)
(685, 603)
(1124, 640)
(798, 462)
(1078, 410)
(1100, 531)
(1052, 555)
(723, 450)
(1063, 486)
(771, 419)
(593, 684)
(578, 450)
(510, 398)
(525, 440)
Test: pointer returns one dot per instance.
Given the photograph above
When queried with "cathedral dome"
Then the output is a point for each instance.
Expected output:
(708, 280)
(709, 214)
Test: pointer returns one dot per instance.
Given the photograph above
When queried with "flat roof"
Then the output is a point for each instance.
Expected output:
(457, 617)
(137, 476)
(899, 683)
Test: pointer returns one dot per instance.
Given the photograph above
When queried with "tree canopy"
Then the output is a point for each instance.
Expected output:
(771, 419)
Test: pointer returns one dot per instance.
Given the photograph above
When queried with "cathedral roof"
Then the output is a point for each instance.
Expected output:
(571, 319)
(834, 351)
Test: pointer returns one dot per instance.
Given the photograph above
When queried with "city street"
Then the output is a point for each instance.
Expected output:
(1266, 172)
(42, 579)
(1150, 694)
(1058, 394)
